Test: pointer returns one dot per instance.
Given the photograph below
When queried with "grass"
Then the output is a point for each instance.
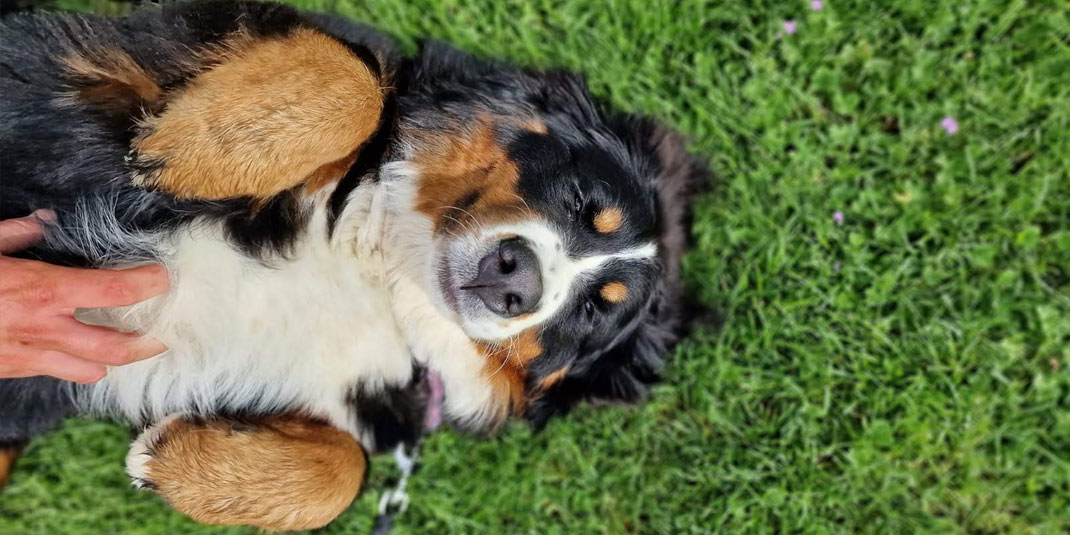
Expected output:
(905, 371)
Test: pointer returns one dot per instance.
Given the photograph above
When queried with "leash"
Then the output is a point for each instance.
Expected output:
(395, 501)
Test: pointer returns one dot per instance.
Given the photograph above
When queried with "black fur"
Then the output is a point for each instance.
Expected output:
(395, 413)
(45, 166)
(63, 157)
(595, 159)
(624, 372)
(32, 406)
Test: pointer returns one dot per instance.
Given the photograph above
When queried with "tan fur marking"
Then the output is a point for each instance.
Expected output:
(7, 463)
(113, 79)
(452, 167)
(506, 368)
(534, 125)
(608, 220)
(614, 292)
(329, 173)
(286, 473)
(553, 378)
(264, 119)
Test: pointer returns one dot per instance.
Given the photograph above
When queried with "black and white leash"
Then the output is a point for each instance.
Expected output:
(396, 500)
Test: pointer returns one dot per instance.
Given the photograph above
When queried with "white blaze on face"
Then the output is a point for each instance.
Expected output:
(560, 273)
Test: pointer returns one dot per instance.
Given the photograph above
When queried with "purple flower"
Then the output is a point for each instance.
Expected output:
(950, 125)
(790, 27)
(816, 5)
(838, 217)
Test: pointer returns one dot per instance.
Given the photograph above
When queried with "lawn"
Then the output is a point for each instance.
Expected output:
(895, 353)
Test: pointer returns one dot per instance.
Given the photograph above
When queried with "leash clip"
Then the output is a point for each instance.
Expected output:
(396, 500)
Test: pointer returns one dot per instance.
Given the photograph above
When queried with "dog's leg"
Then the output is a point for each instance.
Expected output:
(279, 473)
(29, 407)
(270, 114)
(9, 453)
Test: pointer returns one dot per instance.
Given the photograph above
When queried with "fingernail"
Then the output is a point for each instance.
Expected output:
(164, 276)
(160, 280)
(147, 347)
(96, 376)
(44, 215)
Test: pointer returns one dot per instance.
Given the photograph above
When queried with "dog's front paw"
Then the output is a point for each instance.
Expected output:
(142, 452)
(279, 473)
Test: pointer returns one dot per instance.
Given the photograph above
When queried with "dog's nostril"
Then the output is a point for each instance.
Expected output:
(507, 266)
(506, 259)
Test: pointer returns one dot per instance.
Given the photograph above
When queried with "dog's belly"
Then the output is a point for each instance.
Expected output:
(245, 335)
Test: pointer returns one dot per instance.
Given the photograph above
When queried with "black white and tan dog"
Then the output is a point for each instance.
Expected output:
(339, 222)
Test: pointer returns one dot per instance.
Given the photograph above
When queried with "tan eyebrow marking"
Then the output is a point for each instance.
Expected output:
(608, 220)
(614, 292)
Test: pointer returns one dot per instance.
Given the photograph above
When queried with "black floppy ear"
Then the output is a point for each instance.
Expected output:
(678, 174)
(550, 92)
(438, 60)
(624, 373)
(559, 92)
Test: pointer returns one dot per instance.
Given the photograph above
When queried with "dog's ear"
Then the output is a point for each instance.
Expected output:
(550, 92)
(558, 92)
(678, 174)
(624, 373)
(442, 63)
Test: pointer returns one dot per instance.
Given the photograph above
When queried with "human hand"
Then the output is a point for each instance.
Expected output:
(39, 334)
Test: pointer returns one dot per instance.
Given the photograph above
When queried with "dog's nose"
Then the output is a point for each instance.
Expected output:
(509, 282)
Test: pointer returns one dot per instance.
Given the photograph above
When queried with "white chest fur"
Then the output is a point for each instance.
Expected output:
(296, 332)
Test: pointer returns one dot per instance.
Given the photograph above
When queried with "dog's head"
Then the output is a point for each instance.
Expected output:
(558, 230)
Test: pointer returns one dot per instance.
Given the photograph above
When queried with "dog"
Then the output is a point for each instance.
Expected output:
(342, 225)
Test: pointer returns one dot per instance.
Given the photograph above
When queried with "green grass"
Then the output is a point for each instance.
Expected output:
(922, 387)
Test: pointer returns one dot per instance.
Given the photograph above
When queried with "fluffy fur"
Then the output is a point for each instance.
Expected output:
(332, 295)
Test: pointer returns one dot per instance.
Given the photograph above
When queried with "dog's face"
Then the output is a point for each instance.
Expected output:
(557, 233)
(550, 234)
